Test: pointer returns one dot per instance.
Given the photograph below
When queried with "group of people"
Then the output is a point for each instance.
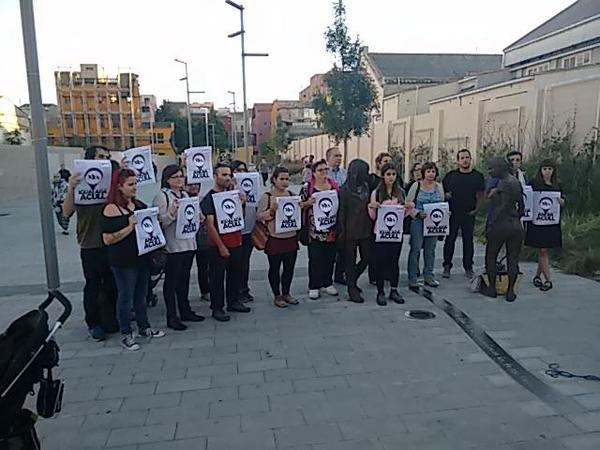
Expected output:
(337, 254)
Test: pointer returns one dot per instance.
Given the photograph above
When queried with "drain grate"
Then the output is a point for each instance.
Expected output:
(419, 314)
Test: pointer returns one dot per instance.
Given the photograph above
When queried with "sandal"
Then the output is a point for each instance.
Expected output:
(537, 282)
(280, 302)
(546, 286)
(290, 300)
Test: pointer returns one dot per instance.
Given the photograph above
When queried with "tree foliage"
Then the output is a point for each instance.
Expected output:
(14, 137)
(345, 110)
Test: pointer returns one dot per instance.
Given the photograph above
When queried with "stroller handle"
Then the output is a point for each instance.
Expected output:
(66, 304)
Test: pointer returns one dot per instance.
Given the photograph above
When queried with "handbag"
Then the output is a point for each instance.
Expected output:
(260, 232)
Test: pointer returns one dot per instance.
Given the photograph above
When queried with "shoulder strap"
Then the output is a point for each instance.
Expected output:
(166, 197)
(268, 200)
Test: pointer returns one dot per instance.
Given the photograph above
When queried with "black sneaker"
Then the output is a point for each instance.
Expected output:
(469, 274)
(238, 307)
(176, 324)
(219, 314)
(396, 297)
(381, 301)
(446, 272)
(246, 297)
(192, 317)
(97, 333)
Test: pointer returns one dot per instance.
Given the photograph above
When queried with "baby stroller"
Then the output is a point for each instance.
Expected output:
(482, 280)
(28, 353)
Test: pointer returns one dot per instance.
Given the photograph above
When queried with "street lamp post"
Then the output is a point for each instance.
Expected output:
(189, 108)
(241, 33)
(233, 127)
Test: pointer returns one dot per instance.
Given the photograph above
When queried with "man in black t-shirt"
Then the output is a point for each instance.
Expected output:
(465, 192)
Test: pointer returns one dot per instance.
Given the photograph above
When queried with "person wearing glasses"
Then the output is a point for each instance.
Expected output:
(321, 244)
(94, 257)
(180, 252)
(515, 158)
(238, 166)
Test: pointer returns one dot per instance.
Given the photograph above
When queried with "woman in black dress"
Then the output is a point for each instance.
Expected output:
(545, 237)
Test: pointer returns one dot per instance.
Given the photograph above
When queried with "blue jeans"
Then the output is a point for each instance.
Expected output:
(418, 241)
(132, 287)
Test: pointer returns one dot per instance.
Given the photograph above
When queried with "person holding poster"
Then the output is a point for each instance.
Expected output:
(140, 159)
(180, 252)
(355, 225)
(321, 237)
(387, 253)
(225, 252)
(239, 167)
(506, 229)
(99, 280)
(130, 270)
(545, 237)
(282, 247)
(422, 192)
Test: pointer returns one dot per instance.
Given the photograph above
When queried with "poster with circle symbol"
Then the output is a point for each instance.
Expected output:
(148, 234)
(437, 222)
(389, 224)
(248, 183)
(527, 204)
(546, 208)
(140, 160)
(199, 164)
(325, 209)
(188, 218)
(287, 217)
(228, 211)
(95, 181)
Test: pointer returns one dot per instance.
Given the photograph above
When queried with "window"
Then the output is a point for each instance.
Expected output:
(131, 141)
(115, 120)
(159, 138)
(129, 121)
(103, 121)
(568, 63)
(145, 109)
(69, 121)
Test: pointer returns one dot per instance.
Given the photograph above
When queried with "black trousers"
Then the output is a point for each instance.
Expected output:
(202, 266)
(98, 278)
(247, 247)
(321, 257)
(224, 276)
(466, 224)
(281, 281)
(265, 177)
(512, 237)
(355, 269)
(340, 266)
(176, 287)
(386, 261)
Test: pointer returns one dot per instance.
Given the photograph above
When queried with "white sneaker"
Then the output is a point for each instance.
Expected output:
(330, 290)
(128, 343)
(313, 294)
(152, 333)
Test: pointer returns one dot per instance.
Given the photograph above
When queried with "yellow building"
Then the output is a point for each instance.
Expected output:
(162, 142)
(96, 109)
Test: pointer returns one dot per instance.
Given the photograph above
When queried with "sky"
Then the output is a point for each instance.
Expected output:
(145, 36)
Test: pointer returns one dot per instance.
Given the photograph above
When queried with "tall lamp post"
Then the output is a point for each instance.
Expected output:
(241, 33)
(188, 108)
(233, 127)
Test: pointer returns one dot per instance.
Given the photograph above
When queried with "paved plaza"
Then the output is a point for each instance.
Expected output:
(323, 375)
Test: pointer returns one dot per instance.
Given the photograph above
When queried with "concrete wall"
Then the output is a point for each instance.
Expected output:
(515, 113)
(17, 168)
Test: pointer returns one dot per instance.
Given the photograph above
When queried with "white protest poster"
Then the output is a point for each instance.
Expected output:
(546, 208)
(95, 181)
(199, 164)
(437, 222)
(228, 211)
(148, 233)
(287, 217)
(188, 218)
(140, 160)
(389, 224)
(325, 209)
(248, 183)
(527, 204)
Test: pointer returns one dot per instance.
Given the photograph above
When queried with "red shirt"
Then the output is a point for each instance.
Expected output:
(230, 240)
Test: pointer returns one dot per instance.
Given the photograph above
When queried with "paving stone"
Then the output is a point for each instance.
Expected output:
(211, 427)
(141, 435)
(584, 442)
(177, 414)
(590, 401)
(114, 420)
(307, 434)
(320, 384)
(262, 389)
(529, 352)
(371, 428)
(85, 440)
(238, 357)
(587, 422)
(127, 390)
(289, 374)
(271, 420)
(188, 384)
(92, 407)
(236, 380)
(291, 401)
(501, 380)
(363, 444)
(265, 364)
(235, 407)
(176, 373)
(217, 369)
(151, 401)
(184, 444)
(204, 396)
(254, 440)
(537, 408)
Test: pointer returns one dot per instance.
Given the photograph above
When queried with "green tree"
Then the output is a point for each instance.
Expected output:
(14, 137)
(345, 110)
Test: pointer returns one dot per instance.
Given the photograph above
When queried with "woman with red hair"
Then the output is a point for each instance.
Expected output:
(130, 270)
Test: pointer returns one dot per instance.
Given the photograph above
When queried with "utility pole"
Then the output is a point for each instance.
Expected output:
(189, 108)
(233, 127)
(241, 33)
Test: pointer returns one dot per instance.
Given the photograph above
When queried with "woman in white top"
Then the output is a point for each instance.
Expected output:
(180, 252)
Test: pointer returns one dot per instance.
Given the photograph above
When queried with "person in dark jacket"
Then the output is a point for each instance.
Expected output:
(355, 225)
